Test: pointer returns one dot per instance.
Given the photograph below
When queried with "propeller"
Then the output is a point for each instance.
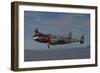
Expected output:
(36, 30)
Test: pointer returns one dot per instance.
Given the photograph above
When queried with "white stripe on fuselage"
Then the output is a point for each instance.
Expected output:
(36, 38)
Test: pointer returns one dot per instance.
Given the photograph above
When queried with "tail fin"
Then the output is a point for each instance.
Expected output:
(70, 35)
(82, 39)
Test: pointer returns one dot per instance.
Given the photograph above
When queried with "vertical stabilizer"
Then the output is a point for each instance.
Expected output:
(82, 39)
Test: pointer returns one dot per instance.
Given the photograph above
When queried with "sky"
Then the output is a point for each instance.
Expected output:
(55, 23)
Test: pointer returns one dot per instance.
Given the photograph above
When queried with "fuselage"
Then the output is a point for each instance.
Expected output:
(52, 39)
(55, 39)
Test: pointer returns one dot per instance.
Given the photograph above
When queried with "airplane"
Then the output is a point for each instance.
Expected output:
(55, 39)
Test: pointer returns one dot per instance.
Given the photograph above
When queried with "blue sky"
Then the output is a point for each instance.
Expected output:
(58, 24)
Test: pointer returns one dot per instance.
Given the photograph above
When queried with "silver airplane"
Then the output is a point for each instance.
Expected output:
(55, 39)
